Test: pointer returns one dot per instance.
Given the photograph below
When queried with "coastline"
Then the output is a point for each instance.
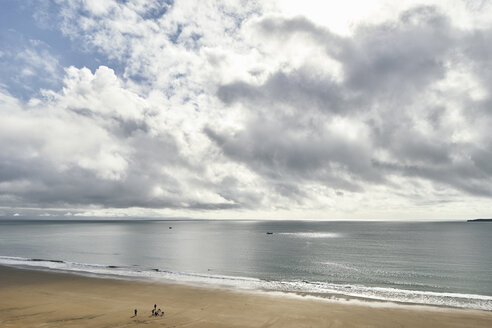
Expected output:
(41, 298)
(382, 296)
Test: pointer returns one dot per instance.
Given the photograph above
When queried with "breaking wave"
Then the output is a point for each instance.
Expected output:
(319, 289)
(311, 234)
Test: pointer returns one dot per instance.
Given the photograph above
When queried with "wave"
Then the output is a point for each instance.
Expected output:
(311, 234)
(119, 271)
(339, 265)
(319, 289)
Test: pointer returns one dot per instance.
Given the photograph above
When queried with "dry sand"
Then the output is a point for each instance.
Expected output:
(45, 299)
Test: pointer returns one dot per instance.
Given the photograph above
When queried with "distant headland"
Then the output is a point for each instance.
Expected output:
(479, 220)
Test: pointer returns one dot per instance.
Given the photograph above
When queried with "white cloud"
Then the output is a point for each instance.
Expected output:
(344, 17)
(247, 109)
(41, 60)
(27, 64)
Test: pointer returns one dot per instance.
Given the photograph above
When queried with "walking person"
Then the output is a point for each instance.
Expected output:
(135, 313)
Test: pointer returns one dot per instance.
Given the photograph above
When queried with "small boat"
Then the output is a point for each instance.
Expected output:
(269, 233)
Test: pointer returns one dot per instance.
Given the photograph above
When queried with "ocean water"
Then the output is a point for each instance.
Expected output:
(445, 263)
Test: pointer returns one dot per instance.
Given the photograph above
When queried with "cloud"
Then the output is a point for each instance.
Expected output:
(95, 143)
(392, 98)
(236, 107)
(27, 63)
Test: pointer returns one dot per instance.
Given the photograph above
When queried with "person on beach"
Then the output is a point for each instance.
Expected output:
(155, 306)
(135, 312)
(153, 311)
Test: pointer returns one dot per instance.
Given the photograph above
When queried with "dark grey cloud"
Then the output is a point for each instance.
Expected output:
(49, 186)
(378, 61)
(79, 188)
(391, 62)
(399, 59)
(283, 153)
(388, 72)
(301, 89)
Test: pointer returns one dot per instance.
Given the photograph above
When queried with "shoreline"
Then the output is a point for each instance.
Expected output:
(337, 298)
(388, 297)
(383, 296)
(41, 297)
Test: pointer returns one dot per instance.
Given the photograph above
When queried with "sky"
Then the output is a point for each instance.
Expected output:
(320, 110)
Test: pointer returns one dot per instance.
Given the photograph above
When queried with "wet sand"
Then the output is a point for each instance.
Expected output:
(45, 299)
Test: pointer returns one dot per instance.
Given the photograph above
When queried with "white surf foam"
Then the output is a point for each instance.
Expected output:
(311, 234)
(469, 301)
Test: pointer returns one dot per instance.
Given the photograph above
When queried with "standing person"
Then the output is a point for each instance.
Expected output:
(155, 307)
(153, 311)
(135, 312)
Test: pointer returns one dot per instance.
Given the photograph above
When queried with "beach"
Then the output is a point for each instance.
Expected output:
(33, 298)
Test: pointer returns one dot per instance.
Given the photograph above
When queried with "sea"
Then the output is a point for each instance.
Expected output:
(428, 263)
